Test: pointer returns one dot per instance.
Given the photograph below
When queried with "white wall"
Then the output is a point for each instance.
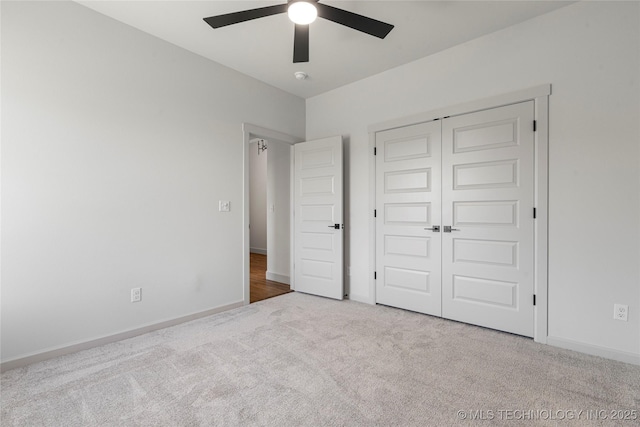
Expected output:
(258, 199)
(116, 148)
(589, 52)
(278, 203)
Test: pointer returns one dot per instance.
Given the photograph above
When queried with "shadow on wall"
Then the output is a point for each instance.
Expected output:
(346, 145)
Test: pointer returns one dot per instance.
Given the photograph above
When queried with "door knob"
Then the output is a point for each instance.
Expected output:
(448, 229)
(336, 226)
(435, 228)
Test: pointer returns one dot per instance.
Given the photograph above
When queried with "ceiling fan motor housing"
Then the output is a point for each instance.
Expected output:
(304, 1)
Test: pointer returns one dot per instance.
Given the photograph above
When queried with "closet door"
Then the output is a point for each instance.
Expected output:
(408, 210)
(488, 179)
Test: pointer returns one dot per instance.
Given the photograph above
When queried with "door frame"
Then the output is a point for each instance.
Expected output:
(249, 133)
(540, 96)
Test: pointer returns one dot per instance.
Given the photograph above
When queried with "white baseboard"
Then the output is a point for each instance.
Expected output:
(258, 251)
(278, 278)
(50, 354)
(594, 350)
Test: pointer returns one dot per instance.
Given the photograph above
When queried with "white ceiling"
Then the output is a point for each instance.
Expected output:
(263, 48)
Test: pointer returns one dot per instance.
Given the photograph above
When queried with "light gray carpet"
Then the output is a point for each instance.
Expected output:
(299, 360)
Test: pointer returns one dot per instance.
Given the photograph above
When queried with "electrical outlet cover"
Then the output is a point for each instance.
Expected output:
(224, 206)
(620, 312)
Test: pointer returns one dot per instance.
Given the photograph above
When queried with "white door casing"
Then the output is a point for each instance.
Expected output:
(407, 205)
(318, 207)
(488, 199)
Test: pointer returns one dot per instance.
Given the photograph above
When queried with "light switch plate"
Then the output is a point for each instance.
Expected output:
(224, 206)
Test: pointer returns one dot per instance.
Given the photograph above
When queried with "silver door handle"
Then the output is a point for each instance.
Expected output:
(435, 228)
(448, 229)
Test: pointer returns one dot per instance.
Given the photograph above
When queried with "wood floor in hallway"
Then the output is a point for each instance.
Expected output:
(261, 288)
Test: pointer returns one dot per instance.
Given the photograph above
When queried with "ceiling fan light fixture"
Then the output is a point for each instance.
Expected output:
(302, 12)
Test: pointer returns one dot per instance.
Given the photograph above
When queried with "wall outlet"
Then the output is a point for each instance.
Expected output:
(620, 312)
(136, 294)
(224, 206)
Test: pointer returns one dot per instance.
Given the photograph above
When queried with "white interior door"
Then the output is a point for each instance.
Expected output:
(407, 218)
(487, 198)
(318, 261)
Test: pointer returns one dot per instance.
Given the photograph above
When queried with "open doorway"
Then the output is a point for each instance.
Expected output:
(269, 206)
(267, 213)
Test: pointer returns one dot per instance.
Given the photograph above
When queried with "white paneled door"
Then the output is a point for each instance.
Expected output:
(487, 199)
(408, 218)
(318, 260)
(477, 187)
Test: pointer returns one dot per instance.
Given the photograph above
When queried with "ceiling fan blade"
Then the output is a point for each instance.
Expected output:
(353, 20)
(245, 15)
(301, 44)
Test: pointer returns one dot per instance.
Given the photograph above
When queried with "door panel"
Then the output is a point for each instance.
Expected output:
(318, 260)
(485, 213)
(407, 202)
(488, 176)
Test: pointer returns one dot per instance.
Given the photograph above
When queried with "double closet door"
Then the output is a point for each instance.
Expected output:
(455, 218)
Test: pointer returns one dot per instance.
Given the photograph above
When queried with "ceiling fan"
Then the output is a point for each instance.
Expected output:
(302, 13)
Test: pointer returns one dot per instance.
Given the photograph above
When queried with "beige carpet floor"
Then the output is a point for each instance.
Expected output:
(299, 360)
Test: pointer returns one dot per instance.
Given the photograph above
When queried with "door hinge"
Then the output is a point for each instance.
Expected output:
(534, 299)
(375, 213)
(375, 275)
(375, 151)
(535, 213)
(535, 125)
